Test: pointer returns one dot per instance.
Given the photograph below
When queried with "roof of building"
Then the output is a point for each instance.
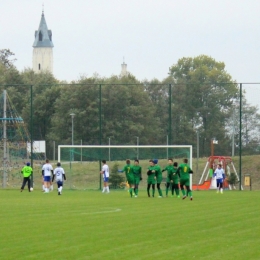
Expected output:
(43, 37)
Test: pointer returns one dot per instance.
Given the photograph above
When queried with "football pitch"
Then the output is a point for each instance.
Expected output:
(92, 225)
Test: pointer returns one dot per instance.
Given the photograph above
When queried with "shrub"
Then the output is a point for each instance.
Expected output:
(115, 178)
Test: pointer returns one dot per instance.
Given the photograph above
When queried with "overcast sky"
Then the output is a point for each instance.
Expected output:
(94, 35)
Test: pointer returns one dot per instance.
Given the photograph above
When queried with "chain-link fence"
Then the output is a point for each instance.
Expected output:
(134, 114)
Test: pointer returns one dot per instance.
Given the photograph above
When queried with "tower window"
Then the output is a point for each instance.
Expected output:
(39, 66)
(40, 36)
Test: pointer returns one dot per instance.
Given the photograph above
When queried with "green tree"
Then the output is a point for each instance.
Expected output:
(5, 58)
(203, 93)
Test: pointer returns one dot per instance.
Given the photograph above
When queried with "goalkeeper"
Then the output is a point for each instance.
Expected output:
(151, 180)
(184, 171)
(27, 172)
(137, 169)
(129, 173)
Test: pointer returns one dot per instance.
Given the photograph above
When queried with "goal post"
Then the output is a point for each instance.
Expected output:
(117, 154)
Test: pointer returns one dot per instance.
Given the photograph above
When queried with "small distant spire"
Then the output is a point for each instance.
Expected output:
(123, 59)
(42, 8)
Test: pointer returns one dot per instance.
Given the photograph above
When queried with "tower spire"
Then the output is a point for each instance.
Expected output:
(42, 8)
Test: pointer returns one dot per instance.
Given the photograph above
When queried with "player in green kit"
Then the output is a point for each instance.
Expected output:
(184, 171)
(175, 180)
(128, 169)
(158, 175)
(151, 180)
(169, 169)
(137, 169)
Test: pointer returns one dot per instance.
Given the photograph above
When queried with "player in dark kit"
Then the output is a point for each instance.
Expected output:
(184, 171)
(175, 180)
(137, 169)
(128, 169)
(169, 169)
(151, 180)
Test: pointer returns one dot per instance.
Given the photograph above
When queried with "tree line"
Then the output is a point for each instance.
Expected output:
(198, 100)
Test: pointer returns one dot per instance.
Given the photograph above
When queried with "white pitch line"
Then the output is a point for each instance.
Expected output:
(101, 212)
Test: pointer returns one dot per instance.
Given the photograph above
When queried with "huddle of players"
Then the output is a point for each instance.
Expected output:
(175, 176)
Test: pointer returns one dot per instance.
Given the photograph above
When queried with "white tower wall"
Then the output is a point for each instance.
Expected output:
(42, 60)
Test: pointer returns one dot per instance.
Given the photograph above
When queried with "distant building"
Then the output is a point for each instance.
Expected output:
(42, 48)
(124, 72)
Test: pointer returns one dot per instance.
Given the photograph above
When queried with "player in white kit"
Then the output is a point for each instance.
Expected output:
(105, 173)
(47, 171)
(59, 173)
(220, 176)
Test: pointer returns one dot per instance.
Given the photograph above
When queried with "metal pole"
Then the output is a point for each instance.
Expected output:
(240, 140)
(4, 139)
(109, 149)
(72, 135)
(167, 150)
(53, 150)
(32, 134)
(198, 149)
(233, 134)
(170, 114)
(81, 151)
(137, 143)
(100, 129)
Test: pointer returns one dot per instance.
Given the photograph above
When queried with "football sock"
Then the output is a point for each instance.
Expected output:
(160, 192)
(107, 188)
(183, 192)
(43, 187)
(136, 191)
(60, 188)
(177, 191)
(153, 192)
(131, 191)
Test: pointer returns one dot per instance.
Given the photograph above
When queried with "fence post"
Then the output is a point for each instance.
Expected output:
(240, 139)
(31, 126)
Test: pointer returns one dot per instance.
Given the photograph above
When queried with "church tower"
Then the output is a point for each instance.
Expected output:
(124, 72)
(42, 48)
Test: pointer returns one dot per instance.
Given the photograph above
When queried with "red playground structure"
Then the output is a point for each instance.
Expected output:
(209, 181)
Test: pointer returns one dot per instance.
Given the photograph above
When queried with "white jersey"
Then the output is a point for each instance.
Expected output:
(47, 168)
(58, 173)
(219, 173)
(105, 170)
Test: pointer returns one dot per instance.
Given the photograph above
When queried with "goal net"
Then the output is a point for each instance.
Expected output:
(82, 163)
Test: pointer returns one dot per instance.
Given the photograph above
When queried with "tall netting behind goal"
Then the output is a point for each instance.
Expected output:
(82, 163)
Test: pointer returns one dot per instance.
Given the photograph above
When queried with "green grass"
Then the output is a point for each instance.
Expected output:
(92, 225)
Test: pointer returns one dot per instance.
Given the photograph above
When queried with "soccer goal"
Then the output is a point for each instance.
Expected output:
(82, 163)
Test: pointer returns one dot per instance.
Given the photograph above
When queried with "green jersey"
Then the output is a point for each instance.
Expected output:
(137, 173)
(174, 176)
(151, 179)
(168, 168)
(129, 173)
(27, 171)
(158, 173)
(184, 171)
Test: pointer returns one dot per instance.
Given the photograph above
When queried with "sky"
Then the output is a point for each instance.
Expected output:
(93, 36)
